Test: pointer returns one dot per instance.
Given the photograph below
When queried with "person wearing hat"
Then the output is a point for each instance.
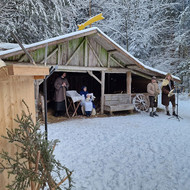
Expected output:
(167, 96)
(153, 92)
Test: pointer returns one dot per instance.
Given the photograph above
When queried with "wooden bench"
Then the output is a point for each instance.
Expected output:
(117, 102)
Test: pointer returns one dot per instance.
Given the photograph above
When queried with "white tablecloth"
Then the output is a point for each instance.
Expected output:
(74, 95)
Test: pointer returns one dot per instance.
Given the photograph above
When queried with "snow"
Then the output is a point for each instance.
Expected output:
(49, 40)
(82, 32)
(6, 46)
(145, 66)
(129, 152)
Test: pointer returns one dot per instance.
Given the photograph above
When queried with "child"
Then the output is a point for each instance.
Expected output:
(84, 93)
(88, 106)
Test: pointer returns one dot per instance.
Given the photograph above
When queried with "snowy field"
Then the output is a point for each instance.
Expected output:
(132, 152)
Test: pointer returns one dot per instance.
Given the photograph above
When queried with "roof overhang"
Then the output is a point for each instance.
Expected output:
(130, 62)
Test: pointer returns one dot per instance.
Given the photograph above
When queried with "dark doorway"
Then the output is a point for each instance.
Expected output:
(115, 83)
(76, 82)
(139, 84)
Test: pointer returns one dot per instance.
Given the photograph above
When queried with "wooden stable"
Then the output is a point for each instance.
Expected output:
(16, 84)
(87, 51)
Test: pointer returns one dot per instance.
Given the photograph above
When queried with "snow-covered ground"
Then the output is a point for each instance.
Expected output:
(132, 152)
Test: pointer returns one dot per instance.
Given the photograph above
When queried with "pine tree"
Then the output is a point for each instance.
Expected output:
(33, 165)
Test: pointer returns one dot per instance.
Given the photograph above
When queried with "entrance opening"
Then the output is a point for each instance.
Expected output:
(76, 82)
(115, 83)
(139, 84)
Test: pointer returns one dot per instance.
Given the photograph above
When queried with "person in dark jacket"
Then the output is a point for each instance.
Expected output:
(167, 96)
(84, 91)
(61, 85)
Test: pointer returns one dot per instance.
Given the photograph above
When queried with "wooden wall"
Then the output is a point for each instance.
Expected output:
(12, 90)
(79, 52)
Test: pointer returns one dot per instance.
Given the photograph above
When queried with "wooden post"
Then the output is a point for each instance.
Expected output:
(108, 60)
(102, 91)
(128, 82)
(42, 104)
(108, 83)
(46, 52)
(59, 54)
(36, 97)
(86, 52)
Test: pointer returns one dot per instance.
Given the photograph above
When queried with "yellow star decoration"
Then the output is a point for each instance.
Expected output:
(90, 21)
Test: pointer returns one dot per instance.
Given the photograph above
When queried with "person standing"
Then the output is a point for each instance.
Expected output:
(167, 86)
(153, 92)
(88, 106)
(61, 85)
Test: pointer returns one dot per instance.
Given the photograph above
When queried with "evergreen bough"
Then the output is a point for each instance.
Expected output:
(33, 165)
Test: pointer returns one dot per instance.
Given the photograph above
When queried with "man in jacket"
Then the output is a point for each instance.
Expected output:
(167, 96)
(61, 85)
(153, 92)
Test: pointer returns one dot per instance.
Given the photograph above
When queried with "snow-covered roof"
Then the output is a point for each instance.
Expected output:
(7, 46)
(48, 41)
(77, 34)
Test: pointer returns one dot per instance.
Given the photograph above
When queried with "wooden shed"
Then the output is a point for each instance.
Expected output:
(89, 54)
(16, 84)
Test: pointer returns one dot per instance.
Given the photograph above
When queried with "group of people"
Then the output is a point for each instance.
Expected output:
(88, 108)
(166, 88)
(61, 84)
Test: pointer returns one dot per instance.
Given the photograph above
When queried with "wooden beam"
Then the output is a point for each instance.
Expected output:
(22, 58)
(128, 82)
(59, 55)
(62, 54)
(23, 48)
(98, 59)
(131, 65)
(69, 60)
(112, 51)
(141, 74)
(117, 70)
(85, 69)
(51, 54)
(67, 51)
(25, 70)
(46, 52)
(86, 52)
(108, 60)
(36, 84)
(94, 76)
(38, 77)
(102, 91)
(80, 68)
(117, 62)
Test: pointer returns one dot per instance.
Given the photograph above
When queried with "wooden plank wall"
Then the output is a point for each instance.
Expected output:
(12, 90)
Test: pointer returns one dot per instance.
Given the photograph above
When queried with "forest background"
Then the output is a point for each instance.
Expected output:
(157, 32)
